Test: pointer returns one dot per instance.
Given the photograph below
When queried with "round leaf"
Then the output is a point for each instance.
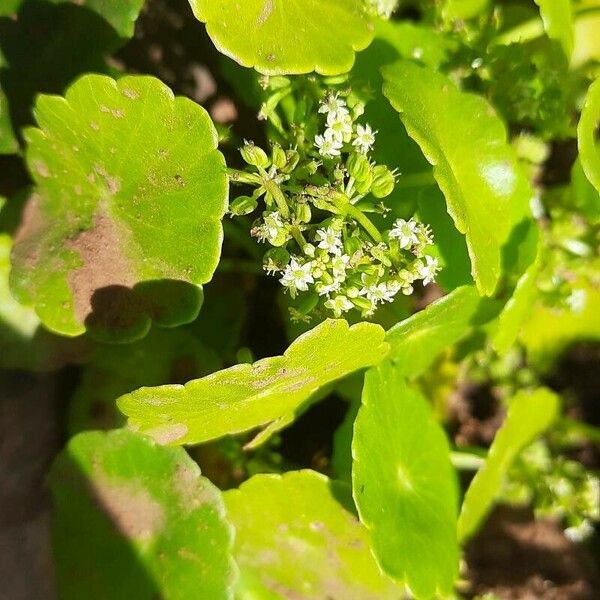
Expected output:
(136, 520)
(131, 190)
(287, 36)
(486, 192)
(248, 396)
(404, 485)
(294, 539)
(589, 149)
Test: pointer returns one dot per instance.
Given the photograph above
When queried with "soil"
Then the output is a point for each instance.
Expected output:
(514, 556)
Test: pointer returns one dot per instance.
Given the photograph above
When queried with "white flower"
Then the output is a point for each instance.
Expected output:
(384, 8)
(329, 240)
(297, 276)
(405, 232)
(333, 105)
(377, 293)
(393, 287)
(577, 300)
(325, 290)
(365, 138)
(340, 126)
(428, 270)
(338, 305)
(328, 146)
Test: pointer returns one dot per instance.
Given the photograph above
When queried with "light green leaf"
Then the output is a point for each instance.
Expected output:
(529, 414)
(558, 22)
(417, 341)
(287, 36)
(163, 356)
(296, 538)
(589, 149)
(8, 141)
(122, 15)
(404, 485)
(137, 520)
(585, 196)
(8, 8)
(549, 330)
(247, 396)
(486, 192)
(127, 210)
(463, 9)
(587, 42)
(518, 307)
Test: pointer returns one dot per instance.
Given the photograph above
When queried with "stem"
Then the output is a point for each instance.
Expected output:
(529, 30)
(424, 179)
(278, 196)
(350, 187)
(583, 429)
(364, 221)
(297, 235)
(465, 461)
(236, 176)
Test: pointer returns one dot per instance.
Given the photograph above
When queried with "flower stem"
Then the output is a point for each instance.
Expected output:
(278, 196)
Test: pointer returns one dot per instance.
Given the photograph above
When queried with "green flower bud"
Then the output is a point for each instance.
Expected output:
(278, 82)
(352, 292)
(255, 156)
(352, 245)
(358, 110)
(358, 166)
(278, 157)
(364, 187)
(383, 182)
(303, 212)
(307, 169)
(243, 205)
(292, 157)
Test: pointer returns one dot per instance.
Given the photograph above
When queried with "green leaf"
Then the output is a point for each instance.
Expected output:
(163, 356)
(122, 15)
(8, 8)
(25, 344)
(585, 196)
(248, 396)
(463, 9)
(8, 141)
(279, 519)
(417, 341)
(127, 210)
(544, 343)
(587, 43)
(558, 22)
(486, 192)
(518, 307)
(404, 485)
(136, 520)
(529, 414)
(589, 149)
(286, 36)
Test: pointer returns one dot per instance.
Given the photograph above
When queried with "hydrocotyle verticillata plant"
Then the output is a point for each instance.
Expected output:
(297, 264)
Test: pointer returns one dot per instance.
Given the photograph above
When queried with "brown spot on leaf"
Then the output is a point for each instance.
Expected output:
(41, 168)
(134, 512)
(103, 263)
(131, 94)
(167, 434)
(33, 222)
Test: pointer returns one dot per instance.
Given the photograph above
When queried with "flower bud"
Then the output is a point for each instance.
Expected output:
(352, 245)
(243, 205)
(278, 157)
(303, 212)
(307, 169)
(292, 157)
(358, 166)
(358, 110)
(362, 303)
(255, 156)
(364, 187)
(383, 182)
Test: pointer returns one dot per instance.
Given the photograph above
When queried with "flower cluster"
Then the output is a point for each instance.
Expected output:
(326, 251)
(383, 8)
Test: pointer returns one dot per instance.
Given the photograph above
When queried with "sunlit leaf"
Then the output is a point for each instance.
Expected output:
(486, 192)
(404, 485)
(127, 210)
(163, 356)
(589, 149)
(529, 414)
(558, 22)
(137, 520)
(247, 396)
(417, 341)
(549, 330)
(286, 36)
(297, 537)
